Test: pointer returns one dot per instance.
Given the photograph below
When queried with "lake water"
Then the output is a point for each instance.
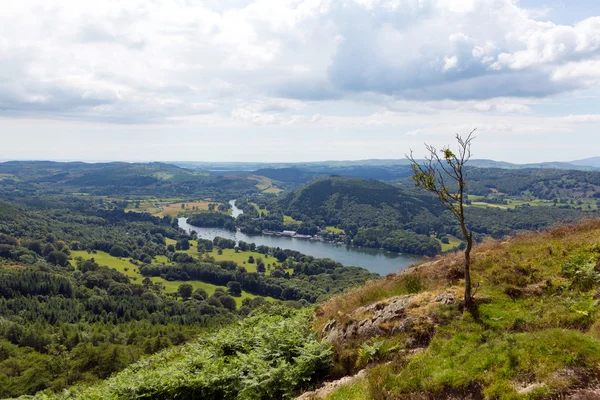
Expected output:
(379, 261)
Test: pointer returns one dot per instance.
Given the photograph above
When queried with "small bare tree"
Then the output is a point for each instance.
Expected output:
(443, 174)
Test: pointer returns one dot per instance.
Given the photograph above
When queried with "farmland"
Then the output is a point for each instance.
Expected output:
(124, 266)
(169, 207)
(265, 185)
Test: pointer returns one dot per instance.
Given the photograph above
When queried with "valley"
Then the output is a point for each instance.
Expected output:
(300, 200)
(86, 250)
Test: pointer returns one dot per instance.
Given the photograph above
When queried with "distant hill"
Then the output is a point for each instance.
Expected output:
(593, 162)
(335, 192)
(303, 174)
(390, 166)
(397, 217)
(372, 213)
(120, 178)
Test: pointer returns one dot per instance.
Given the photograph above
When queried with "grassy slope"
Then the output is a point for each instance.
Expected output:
(454, 242)
(476, 202)
(241, 258)
(170, 207)
(260, 210)
(125, 267)
(535, 333)
(333, 229)
(289, 220)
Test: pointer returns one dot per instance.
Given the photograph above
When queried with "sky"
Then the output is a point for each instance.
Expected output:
(298, 80)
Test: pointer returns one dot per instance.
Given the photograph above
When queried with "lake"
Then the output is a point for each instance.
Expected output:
(375, 260)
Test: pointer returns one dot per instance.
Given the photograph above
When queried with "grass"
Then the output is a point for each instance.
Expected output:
(260, 210)
(265, 185)
(125, 267)
(333, 229)
(476, 201)
(173, 209)
(242, 257)
(357, 390)
(289, 220)
(504, 362)
(149, 206)
(273, 190)
(120, 264)
(239, 258)
(454, 242)
(533, 327)
(192, 251)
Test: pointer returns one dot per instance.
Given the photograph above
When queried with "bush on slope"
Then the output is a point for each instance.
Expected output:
(268, 355)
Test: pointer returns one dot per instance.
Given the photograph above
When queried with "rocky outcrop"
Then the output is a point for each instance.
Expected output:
(408, 314)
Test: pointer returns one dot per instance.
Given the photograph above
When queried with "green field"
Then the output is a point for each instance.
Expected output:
(454, 242)
(260, 210)
(265, 185)
(242, 257)
(273, 190)
(476, 201)
(289, 220)
(333, 229)
(230, 255)
(125, 267)
(148, 206)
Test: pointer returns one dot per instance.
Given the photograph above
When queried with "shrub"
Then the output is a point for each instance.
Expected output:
(582, 273)
(266, 356)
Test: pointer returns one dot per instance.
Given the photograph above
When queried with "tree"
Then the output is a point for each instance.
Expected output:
(58, 258)
(234, 288)
(250, 260)
(260, 267)
(48, 248)
(117, 251)
(228, 302)
(442, 173)
(183, 244)
(200, 294)
(185, 290)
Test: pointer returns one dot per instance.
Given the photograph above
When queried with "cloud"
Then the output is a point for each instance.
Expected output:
(140, 61)
(583, 118)
(459, 50)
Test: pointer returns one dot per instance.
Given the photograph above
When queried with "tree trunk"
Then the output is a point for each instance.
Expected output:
(469, 238)
(467, 266)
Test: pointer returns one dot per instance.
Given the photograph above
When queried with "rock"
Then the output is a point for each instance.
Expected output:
(445, 298)
(530, 388)
(383, 318)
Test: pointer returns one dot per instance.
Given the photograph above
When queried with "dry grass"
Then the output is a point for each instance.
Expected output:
(264, 184)
(172, 209)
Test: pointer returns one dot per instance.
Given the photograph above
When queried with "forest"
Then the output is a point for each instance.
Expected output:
(67, 319)
(398, 218)
(91, 283)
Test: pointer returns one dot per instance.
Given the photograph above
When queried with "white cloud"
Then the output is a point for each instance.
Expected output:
(273, 61)
(583, 118)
